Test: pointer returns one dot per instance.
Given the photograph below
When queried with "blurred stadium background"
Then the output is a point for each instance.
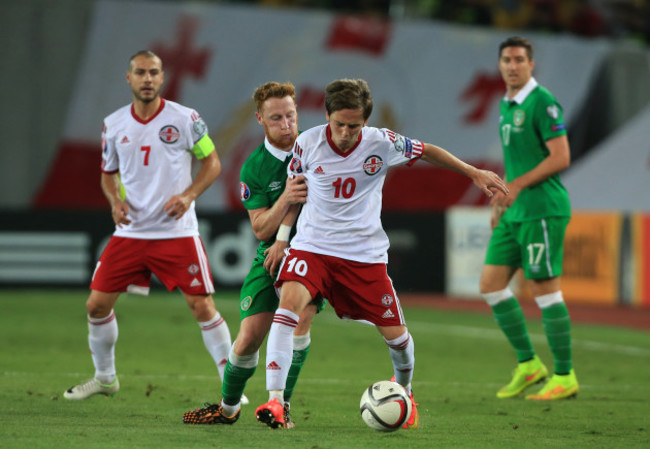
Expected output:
(432, 69)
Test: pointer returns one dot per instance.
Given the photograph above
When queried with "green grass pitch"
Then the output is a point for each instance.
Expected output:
(461, 360)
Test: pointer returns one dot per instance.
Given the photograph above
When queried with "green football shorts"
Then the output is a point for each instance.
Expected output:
(258, 293)
(537, 246)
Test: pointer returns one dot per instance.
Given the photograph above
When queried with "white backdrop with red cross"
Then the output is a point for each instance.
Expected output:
(433, 82)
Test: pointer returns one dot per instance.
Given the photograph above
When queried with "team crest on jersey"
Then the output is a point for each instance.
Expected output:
(244, 191)
(169, 134)
(245, 303)
(193, 269)
(372, 165)
(519, 117)
(295, 165)
(199, 126)
(387, 300)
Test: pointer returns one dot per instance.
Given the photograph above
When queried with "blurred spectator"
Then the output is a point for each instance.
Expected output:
(632, 19)
(512, 14)
(467, 12)
(545, 16)
(587, 21)
(586, 18)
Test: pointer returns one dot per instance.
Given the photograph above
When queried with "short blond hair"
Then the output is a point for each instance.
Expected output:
(273, 89)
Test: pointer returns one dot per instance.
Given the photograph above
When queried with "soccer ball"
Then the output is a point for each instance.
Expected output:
(385, 406)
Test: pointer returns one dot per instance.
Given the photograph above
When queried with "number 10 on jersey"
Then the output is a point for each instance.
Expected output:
(344, 187)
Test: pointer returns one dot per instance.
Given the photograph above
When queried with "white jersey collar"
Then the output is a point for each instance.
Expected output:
(523, 93)
(277, 153)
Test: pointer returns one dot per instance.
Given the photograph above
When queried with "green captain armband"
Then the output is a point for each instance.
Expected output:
(203, 147)
(122, 189)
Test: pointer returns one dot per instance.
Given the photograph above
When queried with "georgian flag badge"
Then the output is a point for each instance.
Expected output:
(169, 134)
(372, 165)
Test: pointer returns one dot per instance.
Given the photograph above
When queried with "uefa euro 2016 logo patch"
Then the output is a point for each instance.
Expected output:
(296, 165)
(169, 134)
(244, 191)
(372, 165)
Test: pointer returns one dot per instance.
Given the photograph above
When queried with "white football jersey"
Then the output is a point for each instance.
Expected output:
(154, 160)
(342, 215)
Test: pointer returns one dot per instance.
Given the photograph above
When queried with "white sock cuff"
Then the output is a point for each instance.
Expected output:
(548, 300)
(104, 320)
(495, 298)
(399, 342)
(215, 321)
(244, 361)
(300, 342)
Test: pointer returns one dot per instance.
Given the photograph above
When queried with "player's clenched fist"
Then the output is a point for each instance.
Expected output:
(296, 190)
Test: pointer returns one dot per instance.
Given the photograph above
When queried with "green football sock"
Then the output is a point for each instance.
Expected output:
(510, 318)
(234, 382)
(299, 357)
(557, 326)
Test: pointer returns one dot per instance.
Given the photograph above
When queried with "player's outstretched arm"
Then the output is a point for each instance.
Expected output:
(208, 173)
(486, 180)
(110, 184)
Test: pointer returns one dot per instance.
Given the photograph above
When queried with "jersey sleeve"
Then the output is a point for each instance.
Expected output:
(402, 150)
(550, 119)
(203, 145)
(110, 162)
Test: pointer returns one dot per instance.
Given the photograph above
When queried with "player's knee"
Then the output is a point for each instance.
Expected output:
(202, 307)
(489, 285)
(485, 287)
(249, 340)
(99, 306)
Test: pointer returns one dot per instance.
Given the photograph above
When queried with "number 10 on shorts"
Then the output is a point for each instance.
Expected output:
(297, 266)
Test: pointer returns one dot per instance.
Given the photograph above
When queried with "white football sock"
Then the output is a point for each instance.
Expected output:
(402, 354)
(301, 342)
(102, 336)
(216, 337)
(279, 349)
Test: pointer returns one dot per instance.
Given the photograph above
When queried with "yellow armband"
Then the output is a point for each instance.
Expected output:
(203, 147)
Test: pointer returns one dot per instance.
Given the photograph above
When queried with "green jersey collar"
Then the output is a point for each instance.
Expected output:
(523, 93)
(277, 153)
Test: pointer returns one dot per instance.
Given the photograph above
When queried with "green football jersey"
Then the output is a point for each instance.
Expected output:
(525, 127)
(262, 181)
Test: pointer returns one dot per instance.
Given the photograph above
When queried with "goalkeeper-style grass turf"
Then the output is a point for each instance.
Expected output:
(461, 361)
